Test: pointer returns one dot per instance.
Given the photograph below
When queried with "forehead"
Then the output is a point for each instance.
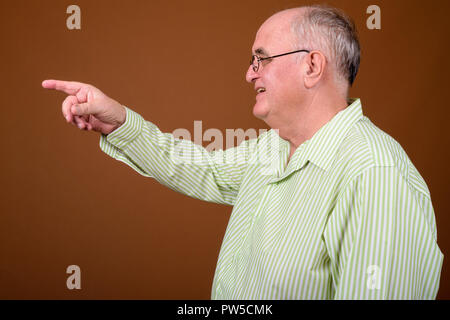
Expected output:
(274, 35)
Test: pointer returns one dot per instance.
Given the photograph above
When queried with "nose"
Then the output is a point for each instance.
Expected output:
(251, 75)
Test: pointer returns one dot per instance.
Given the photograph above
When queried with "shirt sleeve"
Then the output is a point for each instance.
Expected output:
(381, 239)
(176, 163)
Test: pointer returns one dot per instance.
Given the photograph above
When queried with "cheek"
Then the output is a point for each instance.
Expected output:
(275, 85)
(283, 84)
(284, 79)
(282, 92)
(289, 86)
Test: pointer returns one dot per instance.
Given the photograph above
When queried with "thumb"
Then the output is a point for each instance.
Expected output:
(82, 109)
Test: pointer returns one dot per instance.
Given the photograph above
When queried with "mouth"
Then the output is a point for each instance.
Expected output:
(260, 90)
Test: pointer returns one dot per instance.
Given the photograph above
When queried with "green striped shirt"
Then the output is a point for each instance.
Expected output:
(347, 217)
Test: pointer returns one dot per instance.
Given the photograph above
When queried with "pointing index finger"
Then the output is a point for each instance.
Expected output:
(69, 87)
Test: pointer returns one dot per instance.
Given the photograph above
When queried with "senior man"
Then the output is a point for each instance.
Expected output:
(339, 212)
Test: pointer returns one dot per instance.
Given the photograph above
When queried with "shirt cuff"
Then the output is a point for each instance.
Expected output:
(128, 131)
(113, 143)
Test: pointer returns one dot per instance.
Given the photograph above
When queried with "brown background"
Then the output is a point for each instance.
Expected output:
(64, 202)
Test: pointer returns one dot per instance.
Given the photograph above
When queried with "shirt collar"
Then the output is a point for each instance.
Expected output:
(322, 147)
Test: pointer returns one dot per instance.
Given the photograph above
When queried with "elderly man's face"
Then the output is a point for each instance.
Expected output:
(280, 77)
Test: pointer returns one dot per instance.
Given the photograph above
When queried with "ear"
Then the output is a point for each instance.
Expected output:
(316, 63)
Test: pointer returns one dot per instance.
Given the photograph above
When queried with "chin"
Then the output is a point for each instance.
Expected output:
(260, 111)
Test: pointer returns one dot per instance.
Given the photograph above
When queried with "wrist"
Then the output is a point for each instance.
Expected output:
(122, 116)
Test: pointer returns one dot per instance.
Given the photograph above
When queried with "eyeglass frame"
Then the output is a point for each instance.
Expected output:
(259, 59)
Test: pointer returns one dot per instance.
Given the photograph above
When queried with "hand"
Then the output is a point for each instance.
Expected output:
(87, 107)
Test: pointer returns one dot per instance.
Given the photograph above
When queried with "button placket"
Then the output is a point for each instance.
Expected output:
(251, 229)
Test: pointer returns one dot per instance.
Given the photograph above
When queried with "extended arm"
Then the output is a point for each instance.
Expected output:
(178, 164)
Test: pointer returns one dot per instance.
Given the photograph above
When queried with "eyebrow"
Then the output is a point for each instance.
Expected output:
(261, 51)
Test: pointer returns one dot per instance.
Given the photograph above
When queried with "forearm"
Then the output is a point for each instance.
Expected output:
(178, 164)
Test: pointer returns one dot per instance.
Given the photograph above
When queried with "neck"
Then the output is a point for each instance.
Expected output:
(310, 118)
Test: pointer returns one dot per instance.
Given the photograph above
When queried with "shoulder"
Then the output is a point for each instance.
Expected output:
(368, 148)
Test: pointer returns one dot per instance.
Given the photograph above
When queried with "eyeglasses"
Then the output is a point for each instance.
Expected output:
(256, 60)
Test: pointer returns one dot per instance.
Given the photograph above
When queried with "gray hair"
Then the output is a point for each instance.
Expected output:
(332, 32)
